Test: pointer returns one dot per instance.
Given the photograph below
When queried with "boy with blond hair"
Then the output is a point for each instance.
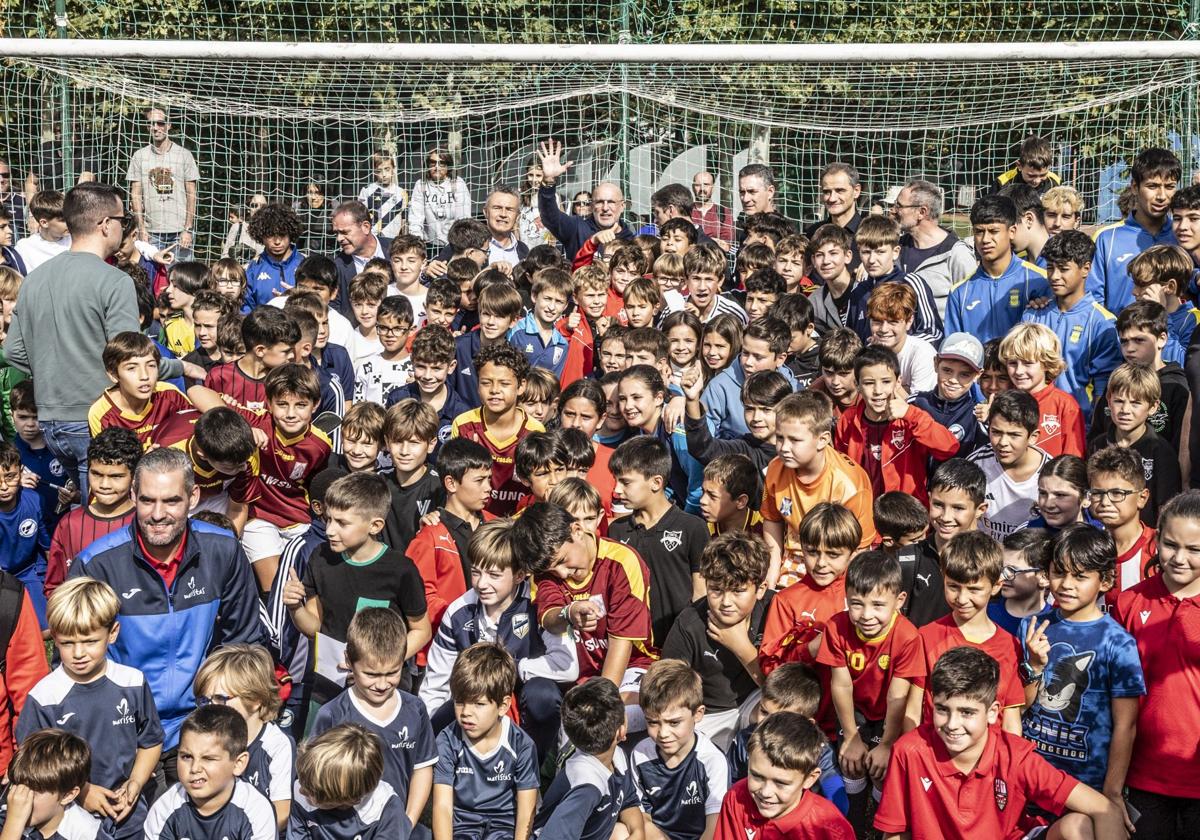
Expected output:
(1033, 356)
(1062, 208)
(80, 695)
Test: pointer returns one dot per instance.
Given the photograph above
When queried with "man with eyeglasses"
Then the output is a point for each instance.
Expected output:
(66, 310)
(608, 203)
(12, 200)
(163, 178)
(932, 252)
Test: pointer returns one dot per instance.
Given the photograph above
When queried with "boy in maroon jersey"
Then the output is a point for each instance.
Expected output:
(137, 401)
(597, 589)
(1162, 613)
(112, 456)
(224, 457)
(875, 653)
(269, 336)
(960, 776)
(499, 423)
(293, 454)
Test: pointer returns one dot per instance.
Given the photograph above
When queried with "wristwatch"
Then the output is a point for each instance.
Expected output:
(1027, 674)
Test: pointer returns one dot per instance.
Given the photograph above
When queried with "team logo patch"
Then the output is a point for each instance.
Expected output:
(884, 661)
(958, 431)
(444, 433)
(1076, 334)
(1148, 468)
(1050, 425)
(556, 356)
(56, 468)
(671, 540)
(1014, 298)
(27, 528)
(898, 438)
(298, 469)
(1001, 791)
(785, 507)
(520, 626)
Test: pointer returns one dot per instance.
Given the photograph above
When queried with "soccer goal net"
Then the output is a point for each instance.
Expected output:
(260, 122)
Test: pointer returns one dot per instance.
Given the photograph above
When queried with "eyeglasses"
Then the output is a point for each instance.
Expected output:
(583, 204)
(392, 330)
(900, 206)
(126, 221)
(1116, 494)
(437, 162)
(5, 174)
(1009, 573)
(157, 123)
(218, 699)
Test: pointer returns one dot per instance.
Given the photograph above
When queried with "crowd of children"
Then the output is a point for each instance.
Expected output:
(649, 540)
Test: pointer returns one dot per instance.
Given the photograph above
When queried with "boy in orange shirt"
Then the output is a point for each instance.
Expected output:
(808, 471)
(971, 567)
(1033, 355)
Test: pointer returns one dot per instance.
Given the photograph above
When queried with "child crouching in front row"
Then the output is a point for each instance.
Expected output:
(45, 779)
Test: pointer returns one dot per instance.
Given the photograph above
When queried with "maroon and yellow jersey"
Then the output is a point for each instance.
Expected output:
(75, 532)
(620, 583)
(165, 402)
(279, 493)
(231, 382)
(507, 489)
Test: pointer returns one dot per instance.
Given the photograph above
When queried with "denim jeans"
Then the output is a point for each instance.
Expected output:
(162, 240)
(68, 440)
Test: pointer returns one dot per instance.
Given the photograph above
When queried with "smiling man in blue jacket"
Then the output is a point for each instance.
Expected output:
(185, 587)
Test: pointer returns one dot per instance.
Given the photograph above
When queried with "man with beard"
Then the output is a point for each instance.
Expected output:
(710, 217)
(608, 202)
(932, 252)
(185, 588)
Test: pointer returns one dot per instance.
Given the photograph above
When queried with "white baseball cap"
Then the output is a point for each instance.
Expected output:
(964, 347)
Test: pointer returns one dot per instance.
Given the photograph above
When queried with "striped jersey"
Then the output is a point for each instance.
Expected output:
(231, 381)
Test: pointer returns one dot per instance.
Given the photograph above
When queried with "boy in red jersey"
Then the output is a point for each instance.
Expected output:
(112, 456)
(137, 401)
(293, 454)
(1034, 358)
(958, 776)
(269, 336)
(1162, 615)
(224, 457)
(776, 800)
(971, 567)
(1116, 495)
(594, 588)
(499, 423)
(894, 441)
(874, 653)
(829, 536)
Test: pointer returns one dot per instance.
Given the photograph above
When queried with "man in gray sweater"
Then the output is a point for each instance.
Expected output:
(66, 311)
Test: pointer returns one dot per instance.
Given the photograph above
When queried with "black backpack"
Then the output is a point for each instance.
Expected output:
(12, 596)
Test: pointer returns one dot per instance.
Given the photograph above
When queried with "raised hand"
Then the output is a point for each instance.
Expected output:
(293, 591)
(1037, 645)
(551, 157)
(692, 381)
(898, 406)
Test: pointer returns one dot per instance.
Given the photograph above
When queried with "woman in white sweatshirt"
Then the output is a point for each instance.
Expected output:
(439, 198)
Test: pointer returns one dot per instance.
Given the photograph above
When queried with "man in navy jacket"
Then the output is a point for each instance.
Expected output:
(608, 202)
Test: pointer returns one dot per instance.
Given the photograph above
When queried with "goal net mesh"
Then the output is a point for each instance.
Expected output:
(272, 126)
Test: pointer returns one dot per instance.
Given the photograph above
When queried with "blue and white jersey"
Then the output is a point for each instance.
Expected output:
(538, 652)
(551, 354)
(1088, 334)
(485, 786)
(585, 799)
(380, 816)
(679, 799)
(988, 307)
(1070, 722)
(246, 816)
(272, 764)
(115, 714)
(406, 736)
(1116, 246)
(77, 824)
(24, 541)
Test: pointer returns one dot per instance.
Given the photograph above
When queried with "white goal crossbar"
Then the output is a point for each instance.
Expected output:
(51, 48)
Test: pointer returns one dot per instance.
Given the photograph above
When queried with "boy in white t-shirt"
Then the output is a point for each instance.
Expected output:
(1011, 463)
(890, 311)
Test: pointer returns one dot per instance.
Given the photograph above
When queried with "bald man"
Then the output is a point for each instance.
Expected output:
(608, 203)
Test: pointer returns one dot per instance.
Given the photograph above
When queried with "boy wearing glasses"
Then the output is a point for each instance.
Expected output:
(163, 177)
(1117, 493)
(377, 375)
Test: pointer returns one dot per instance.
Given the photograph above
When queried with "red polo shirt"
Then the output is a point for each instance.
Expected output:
(168, 570)
(814, 818)
(925, 795)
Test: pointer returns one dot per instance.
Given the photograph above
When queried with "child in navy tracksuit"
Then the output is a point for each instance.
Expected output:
(952, 403)
(24, 539)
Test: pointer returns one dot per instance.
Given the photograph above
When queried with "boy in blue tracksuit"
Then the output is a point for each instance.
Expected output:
(536, 335)
(273, 272)
(952, 402)
(1154, 177)
(1086, 330)
(24, 539)
(990, 302)
(173, 612)
(1160, 274)
(764, 347)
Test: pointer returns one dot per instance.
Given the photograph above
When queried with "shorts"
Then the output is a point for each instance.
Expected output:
(631, 680)
(720, 727)
(262, 539)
